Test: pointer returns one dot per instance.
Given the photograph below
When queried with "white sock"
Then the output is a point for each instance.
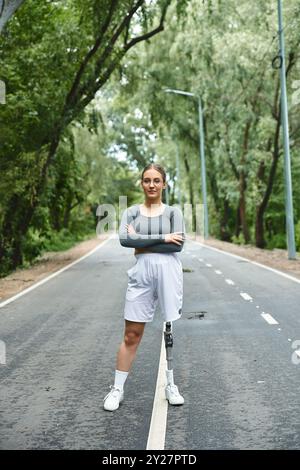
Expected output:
(170, 378)
(120, 379)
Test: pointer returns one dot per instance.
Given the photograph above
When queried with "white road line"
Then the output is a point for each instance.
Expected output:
(56, 273)
(200, 259)
(276, 271)
(217, 271)
(230, 282)
(245, 296)
(298, 352)
(208, 265)
(158, 425)
(269, 319)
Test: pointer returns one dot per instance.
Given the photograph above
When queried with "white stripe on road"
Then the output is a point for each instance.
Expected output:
(269, 319)
(217, 271)
(37, 284)
(230, 282)
(298, 352)
(157, 432)
(208, 265)
(245, 296)
(276, 271)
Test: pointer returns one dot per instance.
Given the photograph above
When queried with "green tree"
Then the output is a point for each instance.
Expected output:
(69, 51)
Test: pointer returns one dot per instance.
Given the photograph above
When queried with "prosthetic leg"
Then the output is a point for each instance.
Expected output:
(172, 393)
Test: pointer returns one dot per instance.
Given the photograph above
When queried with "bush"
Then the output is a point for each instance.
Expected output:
(240, 240)
(32, 245)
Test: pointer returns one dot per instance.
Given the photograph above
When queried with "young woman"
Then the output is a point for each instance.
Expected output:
(157, 233)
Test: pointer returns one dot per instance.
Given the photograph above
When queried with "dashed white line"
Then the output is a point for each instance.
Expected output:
(269, 319)
(245, 296)
(249, 261)
(266, 316)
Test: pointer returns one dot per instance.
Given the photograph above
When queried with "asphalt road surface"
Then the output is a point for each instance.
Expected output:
(237, 366)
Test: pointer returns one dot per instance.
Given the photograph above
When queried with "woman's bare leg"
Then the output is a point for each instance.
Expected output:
(132, 337)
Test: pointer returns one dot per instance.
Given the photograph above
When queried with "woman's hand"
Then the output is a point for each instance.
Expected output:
(130, 229)
(176, 237)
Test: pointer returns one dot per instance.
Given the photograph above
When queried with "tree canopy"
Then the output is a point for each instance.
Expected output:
(86, 110)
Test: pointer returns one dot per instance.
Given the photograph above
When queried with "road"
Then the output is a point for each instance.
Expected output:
(237, 367)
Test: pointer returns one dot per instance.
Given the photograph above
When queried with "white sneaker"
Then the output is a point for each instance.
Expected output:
(173, 395)
(113, 399)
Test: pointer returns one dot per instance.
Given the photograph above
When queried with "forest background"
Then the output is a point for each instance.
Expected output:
(85, 110)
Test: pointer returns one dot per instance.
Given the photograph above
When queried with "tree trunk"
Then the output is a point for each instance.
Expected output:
(237, 230)
(224, 222)
(191, 193)
(243, 185)
(259, 228)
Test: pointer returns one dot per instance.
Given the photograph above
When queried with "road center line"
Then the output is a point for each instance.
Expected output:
(230, 282)
(245, 296)
(217, 271)
(269, 319)
(158, 425)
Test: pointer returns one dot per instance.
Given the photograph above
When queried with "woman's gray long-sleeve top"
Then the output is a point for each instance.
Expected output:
(150, 231)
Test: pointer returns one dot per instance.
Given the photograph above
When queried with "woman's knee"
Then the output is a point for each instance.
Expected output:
(133, 337)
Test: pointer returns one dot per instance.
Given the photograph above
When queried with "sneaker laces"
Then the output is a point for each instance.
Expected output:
(174, 389)
(112, 391)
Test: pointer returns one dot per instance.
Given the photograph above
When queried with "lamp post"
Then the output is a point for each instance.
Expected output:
(202, 153)
(287, 160)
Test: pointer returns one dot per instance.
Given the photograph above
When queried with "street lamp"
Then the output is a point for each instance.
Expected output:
(287, 160)
(202, 153)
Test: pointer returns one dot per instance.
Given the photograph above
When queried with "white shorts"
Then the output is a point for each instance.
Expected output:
(155, 277)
